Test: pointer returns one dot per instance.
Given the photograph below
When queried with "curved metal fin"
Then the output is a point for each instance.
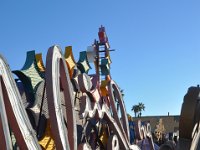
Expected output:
(40, 63)
(31, 70)
(83, 63)
(69, 58)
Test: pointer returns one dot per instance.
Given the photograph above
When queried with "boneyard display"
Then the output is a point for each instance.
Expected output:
(61, 106)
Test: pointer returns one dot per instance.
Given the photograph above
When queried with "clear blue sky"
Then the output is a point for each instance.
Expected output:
(157, 42)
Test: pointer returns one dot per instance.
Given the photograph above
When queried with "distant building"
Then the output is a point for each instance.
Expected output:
(171, 123)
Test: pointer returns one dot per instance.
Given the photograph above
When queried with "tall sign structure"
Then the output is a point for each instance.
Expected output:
(100, 53)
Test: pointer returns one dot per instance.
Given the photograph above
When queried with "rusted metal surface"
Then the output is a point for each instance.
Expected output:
(57, 72)
(91, 109)
(5, 140)
(113, 143)
(189, 116)
(189, 121)
(16, 113)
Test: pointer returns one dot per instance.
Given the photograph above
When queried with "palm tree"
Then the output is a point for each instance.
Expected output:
(141, 108)
(138, 109)
(135, 108)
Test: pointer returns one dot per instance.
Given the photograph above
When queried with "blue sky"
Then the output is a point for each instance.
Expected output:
(157, 42)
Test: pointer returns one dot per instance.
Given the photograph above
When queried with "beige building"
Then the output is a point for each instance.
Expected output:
(171, 123)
